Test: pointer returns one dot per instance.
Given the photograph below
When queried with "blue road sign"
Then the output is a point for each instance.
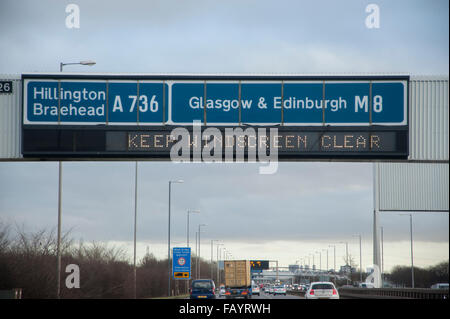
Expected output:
(219, 102)
(181, 262)
(256, 271)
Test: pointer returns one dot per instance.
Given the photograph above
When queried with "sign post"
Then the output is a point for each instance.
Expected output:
(181, 263)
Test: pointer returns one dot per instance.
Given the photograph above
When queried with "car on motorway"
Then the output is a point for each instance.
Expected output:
(256, 290)
(222, 291)
(322, 290)
(279, 290)
(202, 289)
(270, 290)
(366, 285)
(440, 286)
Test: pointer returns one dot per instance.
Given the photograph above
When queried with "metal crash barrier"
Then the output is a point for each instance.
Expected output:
(394, 293)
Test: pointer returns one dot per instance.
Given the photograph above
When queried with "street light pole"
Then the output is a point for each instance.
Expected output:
(360, 257)
(187, 239)
(412, 252)
(58, 244)
(346, 254)
(346, 259)
(218, 259)
(334, 249)
(346, 251)
(412, 255)
(135, 226)
(327, 259)
(168, 239)
(196, 254)
(189, 211)
(212, 255)
(382, 256)
(198, 257)
(320, 260)
(168, 246)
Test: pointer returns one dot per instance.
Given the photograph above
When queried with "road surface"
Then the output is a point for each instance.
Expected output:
(268, 296)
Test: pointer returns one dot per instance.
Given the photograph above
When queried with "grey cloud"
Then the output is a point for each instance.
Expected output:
(302, 201)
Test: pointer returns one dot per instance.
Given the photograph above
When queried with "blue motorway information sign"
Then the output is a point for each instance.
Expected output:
(181, 262)
(140, 116)
(215, 102)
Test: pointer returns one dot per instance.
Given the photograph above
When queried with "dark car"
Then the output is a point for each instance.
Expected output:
(203, 289)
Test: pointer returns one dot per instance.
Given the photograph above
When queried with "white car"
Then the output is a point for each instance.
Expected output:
(255, 290)
(222, 291)
(322, 290)
(279, 290)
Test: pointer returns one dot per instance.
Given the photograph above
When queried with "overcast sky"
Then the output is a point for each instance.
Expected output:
(301, 209)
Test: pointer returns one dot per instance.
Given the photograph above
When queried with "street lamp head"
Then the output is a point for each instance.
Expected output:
(88, 62)
(193, 211)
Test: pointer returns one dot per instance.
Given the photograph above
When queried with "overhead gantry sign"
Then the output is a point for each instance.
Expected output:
(107, 116)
